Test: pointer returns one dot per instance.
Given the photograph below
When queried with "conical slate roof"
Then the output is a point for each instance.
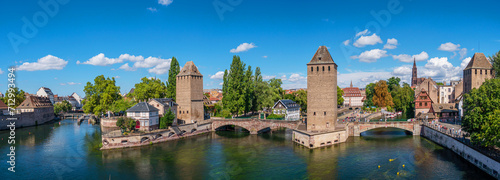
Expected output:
(322, 56)
(189, 69)
(479, 61)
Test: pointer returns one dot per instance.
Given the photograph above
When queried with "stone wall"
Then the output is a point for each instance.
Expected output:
(26, 119)
(480, 160)
(356, 128)
(321, 96)
(315, 140)
(255, 125)
(109, 122)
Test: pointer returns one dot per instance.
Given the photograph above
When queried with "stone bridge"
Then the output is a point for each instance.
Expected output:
(255, 125)
(356, 128)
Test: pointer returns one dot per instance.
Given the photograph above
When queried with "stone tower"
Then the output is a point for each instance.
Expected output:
(321, 92)
(189, 94)
(477, 71)
(414, 80)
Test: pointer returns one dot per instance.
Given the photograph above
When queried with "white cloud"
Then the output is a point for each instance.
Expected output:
(48, 62)
(391, 44)
(402, 71)
(465, 62)
(116, 77)
(264, 57)
(346, 42)
(73, 83)
(283, 78)
(440, 69)
(152, 9)
(101, 60)
(243, 47)
(267, 77)
(361, 79)
(150, 62)
(371, 55)
(367, 40)
(126, 67)
(296, 77)
(462, 52)
(365, 32)
(165, 2)
(62, 84)
(449, 47)
(407, 58)
(1, 72)
(218, 75)
(131, 57)
(161, 68)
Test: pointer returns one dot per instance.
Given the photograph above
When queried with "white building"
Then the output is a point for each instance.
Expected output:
(46, 92)
(289, 108)
(78, 100)
(446, 94)
(146, 116)
(352, 97)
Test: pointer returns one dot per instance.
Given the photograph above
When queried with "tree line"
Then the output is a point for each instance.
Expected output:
(392, 95)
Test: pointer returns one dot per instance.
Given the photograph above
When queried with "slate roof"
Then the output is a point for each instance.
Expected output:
(47, 90)
(142, 107)
(287, 103)
(444, 107)
(322, 56)
(32, 101)
(189, 69)
(165, 101)
(479, 61)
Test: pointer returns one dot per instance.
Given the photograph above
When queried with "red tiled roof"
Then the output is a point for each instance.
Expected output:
(352, 92)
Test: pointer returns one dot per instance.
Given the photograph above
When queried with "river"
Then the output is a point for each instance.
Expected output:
(69, 151)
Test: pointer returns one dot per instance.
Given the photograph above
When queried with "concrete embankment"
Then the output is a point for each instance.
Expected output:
(25, 119)
(475, 157)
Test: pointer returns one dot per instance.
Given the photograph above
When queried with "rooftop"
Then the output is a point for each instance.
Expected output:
(479, 61)
(142, 107)
(189, 69)
(322, 56)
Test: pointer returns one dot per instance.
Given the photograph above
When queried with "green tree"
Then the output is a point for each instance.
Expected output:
(258, 85)
(403, 98)
(149, 88)
(121, 105)
(382, 97)
(234, 92)
(172, 78)
(167, 119)
(340, 93)
(249, 90)
(100, 95)
(270, 95)
(440, 84)
(393, 82)
(17, 95)
(120, 122)
(495, 61)
(369, 91)
(482, 115)
(301, 99)
(63, 106)
(130, 124)
(276, 86)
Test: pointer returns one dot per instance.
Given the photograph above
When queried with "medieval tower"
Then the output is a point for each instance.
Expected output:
(189, 94)
(477, 71)
(414, 80)
(321, 92)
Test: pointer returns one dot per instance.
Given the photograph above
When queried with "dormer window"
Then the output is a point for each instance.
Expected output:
(319, 58)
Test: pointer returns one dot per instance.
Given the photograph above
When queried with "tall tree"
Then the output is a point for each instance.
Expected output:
(225, 88)
(369, 91)
(172, 78)
(382, 97)
(149, 88)
(393, 82)
(100, 95)
(301, 99)
(122, 105)
(258, 90)
(495, 61)
(249, 90)
(276, 86)
(17, 95)
(403, 98)
(340, 93)
(235, 92)
(481, 113)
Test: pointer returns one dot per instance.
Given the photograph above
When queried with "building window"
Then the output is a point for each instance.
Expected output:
(480, 71)
(312, 69)
(324, 113)
(317, 68)
(323, 68)
(187, 112)
(420, 104)
(315, 113)
(425, 104)
(476, 71)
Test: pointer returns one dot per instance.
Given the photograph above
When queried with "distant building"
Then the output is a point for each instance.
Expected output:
(415, 81)
(163, 105)
(423, 102)
(46, 92)
(477, 71)
(446, 94)
(145, 115)
(287, 107)
(189, 94)
(430, 87)
(444, 111)
(78, 100)
(1, 95)
(40, 106)
(352, 97)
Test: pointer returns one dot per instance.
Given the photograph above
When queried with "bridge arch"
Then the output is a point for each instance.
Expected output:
(359, 127)
(255, 125)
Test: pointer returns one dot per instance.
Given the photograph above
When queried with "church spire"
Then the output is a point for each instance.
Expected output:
(414, 63)
(351, 83)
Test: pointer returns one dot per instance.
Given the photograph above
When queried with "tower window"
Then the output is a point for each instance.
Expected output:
(317, 68)
(319, 58)
(476, 71)
(480, 71)
(328, 68)
(312, 69)
(324, 113)
(323, 68)
(187, 112)
(315, 113)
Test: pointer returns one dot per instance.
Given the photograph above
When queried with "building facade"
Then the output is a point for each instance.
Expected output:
(40, 106)
(430, 87)
(287, 107)
(423, 102)
(189, 94)
(46, 92)
(145, 115)
(163, 105)
(352, 97)
(321, 91)
(477, 71)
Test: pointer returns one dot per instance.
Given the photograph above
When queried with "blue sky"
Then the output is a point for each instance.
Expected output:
(63, 48)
